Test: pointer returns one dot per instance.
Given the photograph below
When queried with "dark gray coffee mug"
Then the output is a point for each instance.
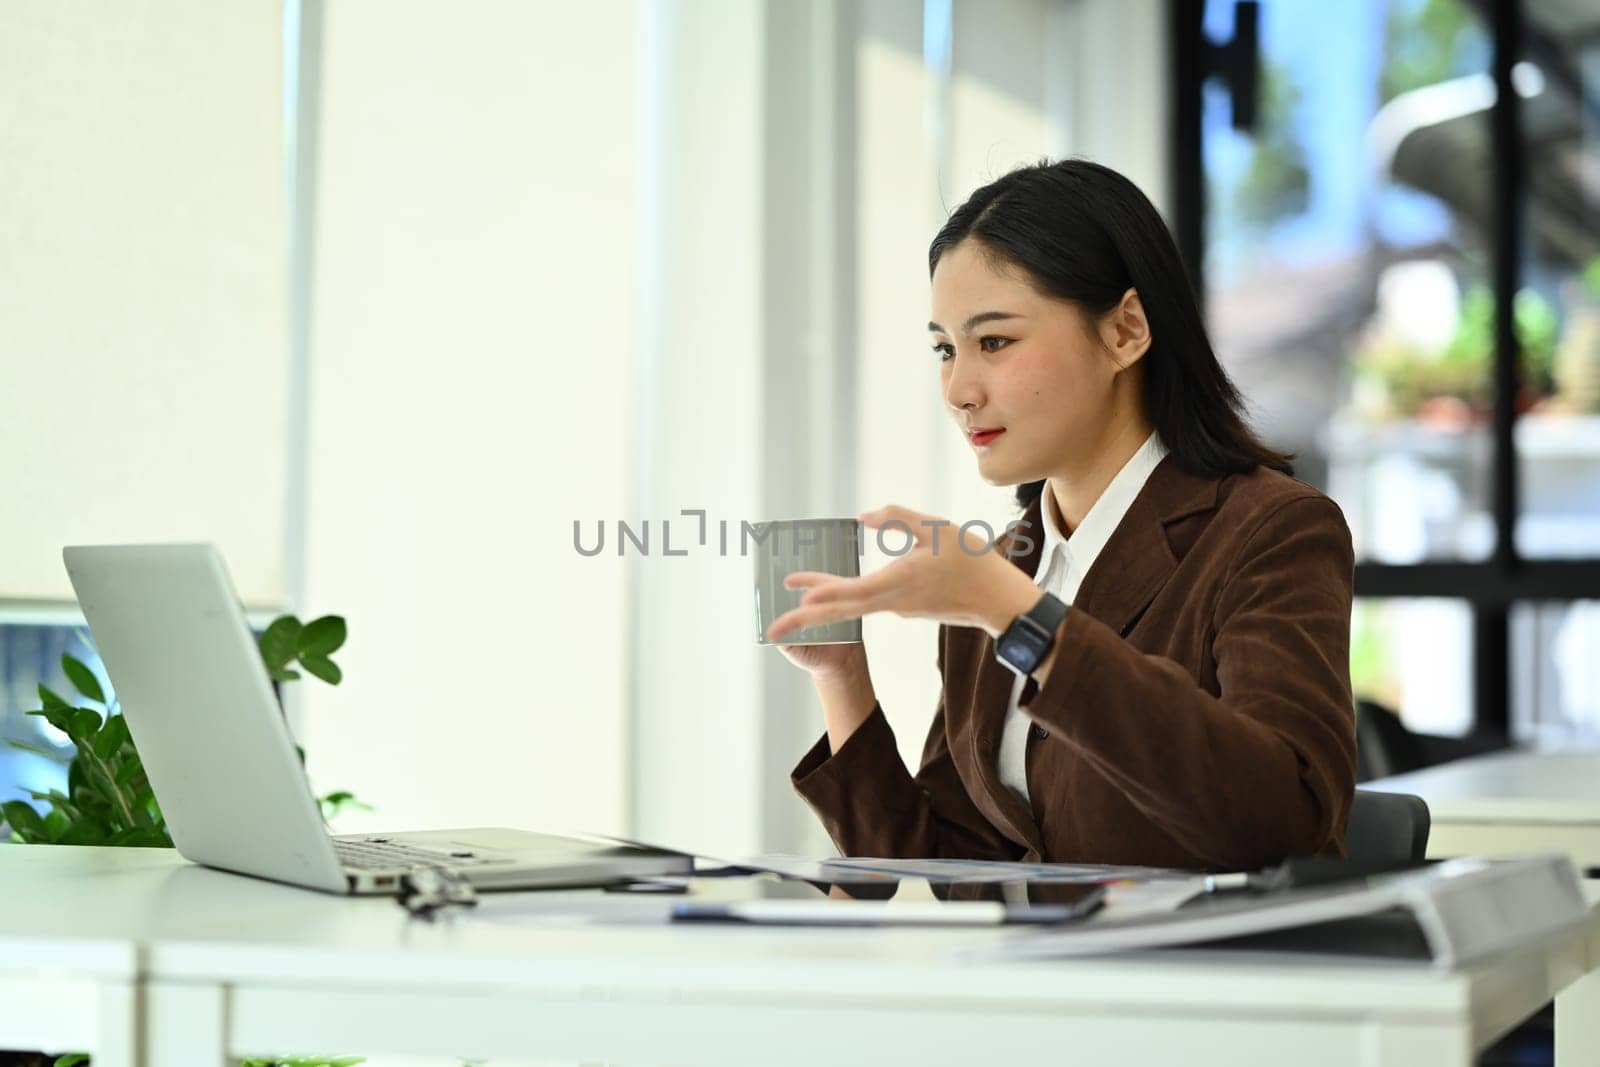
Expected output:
(781, 548)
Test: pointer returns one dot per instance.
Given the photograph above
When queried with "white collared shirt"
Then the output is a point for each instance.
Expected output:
(1063, 561)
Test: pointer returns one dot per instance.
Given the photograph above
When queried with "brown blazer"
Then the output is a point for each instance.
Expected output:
(1198, 713)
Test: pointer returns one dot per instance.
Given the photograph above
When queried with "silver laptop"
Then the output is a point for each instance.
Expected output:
(173, 637)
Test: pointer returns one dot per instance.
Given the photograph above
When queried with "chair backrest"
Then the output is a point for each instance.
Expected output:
(1387, 828)
(1384, 745)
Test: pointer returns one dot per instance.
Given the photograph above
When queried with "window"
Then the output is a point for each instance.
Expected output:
(1391, 206)
(33, 753)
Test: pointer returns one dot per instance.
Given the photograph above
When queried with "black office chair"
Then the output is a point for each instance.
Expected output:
(1387, 828)
(1386, 746)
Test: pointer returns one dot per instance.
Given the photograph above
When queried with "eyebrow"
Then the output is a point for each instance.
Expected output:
(980, 317)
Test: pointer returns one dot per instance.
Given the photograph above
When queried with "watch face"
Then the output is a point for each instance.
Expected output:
(1019, 651)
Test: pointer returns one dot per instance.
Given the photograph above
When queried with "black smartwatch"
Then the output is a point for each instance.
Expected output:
(1027, 641)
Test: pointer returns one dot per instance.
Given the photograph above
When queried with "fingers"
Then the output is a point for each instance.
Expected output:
(814, 614)
(895, 515)
(922, 528)
(822, 588)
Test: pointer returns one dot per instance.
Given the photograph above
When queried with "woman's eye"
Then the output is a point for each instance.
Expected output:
(944, 351)
(993, 344)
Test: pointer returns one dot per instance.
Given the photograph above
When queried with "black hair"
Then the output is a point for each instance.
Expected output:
(1081, 232)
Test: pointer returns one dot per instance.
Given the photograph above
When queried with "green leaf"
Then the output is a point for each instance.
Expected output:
(22, 818)
(57, 715)
(86, 831)
(278, 640)
(92, 802)
(72, 1059)
(146, 800)
(141, 837)
(281, 674)
(322, 667)
(85, 724)
(50, 698)
(334, 804)
(321, 637)
(82, 678)
(60, 803)
(130, 769)
(81, 784)
(56, 823)
(112, 737)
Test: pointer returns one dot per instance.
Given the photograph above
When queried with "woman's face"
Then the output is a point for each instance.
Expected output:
(1029, 365)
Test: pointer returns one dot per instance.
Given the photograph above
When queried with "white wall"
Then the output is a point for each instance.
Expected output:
(143, 333)
(471, 321)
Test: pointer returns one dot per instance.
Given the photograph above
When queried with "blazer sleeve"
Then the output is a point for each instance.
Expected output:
(871, 806)
(1264, 770)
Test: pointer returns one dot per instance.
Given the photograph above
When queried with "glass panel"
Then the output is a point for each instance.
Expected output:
(1414, 657)
(33, 753)
(1347, 261)
(1558, 320)
(1555, 674)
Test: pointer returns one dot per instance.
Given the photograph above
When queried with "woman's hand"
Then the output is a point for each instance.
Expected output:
(965, 582)
(828, 663)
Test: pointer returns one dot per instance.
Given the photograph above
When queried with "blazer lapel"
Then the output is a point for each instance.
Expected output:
(1130, 570)
(1138, 559)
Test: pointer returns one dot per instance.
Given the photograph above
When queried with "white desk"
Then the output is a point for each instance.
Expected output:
(66, 986)
(1510, 802)
(232, 966)
(1513, 802)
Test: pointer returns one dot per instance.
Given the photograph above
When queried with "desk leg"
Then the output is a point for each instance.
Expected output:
(186, 1024)
(117, 1025)
(1578, 1022)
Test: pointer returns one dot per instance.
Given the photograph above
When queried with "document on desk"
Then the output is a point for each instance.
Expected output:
(946, 871)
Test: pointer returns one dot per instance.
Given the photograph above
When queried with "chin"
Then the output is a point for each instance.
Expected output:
(997, 476)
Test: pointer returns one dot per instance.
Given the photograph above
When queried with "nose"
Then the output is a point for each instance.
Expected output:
(963, 390)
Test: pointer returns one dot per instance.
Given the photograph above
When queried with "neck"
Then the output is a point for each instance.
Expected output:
(1073, 491)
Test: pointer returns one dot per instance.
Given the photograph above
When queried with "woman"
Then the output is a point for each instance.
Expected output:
(1151, 666)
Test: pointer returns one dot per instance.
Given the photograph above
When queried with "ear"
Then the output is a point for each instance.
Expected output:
(1125, 330)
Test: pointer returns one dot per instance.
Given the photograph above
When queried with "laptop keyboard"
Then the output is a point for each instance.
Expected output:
(379, 854)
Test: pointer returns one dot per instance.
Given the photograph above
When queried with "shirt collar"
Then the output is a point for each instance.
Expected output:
(1105, 515)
